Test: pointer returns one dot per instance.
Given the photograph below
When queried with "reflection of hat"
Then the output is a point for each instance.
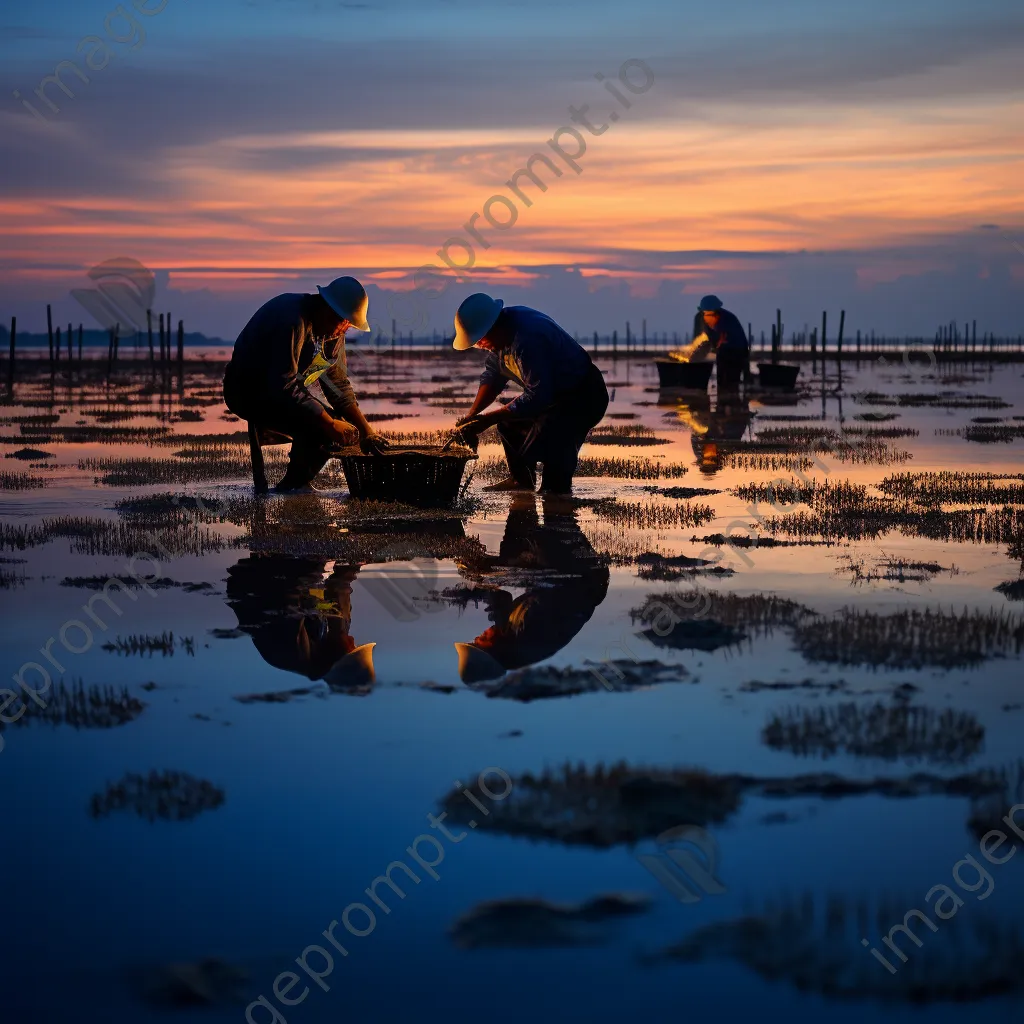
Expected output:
(710, 304)
(352, 669)
(476, 665)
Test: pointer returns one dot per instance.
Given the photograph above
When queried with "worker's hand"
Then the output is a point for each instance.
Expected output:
(373, 443)
(343, 432)
(473, 425)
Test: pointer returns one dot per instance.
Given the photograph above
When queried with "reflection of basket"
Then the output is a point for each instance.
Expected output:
(414, 475)
(675, 374)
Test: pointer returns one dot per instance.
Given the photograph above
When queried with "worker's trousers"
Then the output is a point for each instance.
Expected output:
(733, 367)
(311, 448)
(556, 436)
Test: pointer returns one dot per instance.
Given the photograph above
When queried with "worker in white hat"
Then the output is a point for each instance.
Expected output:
(293, 342)
(563, 397)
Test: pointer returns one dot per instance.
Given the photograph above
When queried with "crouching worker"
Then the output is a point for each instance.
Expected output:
(727, 339)
(292, 342)
(563, 397)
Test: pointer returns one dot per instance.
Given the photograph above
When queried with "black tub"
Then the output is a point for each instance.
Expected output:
(693, 376)
(778, 375)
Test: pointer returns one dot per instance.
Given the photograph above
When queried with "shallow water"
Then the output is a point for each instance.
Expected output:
(836, 793)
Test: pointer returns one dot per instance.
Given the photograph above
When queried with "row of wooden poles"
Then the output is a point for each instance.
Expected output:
(113, 342)
(947, 339)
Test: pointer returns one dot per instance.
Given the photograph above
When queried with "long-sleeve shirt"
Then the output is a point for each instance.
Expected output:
(728, 335)
(544, 360)
(276, 353)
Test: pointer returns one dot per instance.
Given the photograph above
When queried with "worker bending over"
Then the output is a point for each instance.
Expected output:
(563, 397)
(291, 343)
(727, 340)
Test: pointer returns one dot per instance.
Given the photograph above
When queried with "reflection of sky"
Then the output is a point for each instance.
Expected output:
(322, 794)
(292, 138)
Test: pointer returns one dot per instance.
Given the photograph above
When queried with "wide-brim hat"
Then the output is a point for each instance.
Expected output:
(348, 298)
(474, 318)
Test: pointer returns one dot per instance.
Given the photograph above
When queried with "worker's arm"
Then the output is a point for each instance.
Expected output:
(487, 393)
(492, 383)
(338, 390)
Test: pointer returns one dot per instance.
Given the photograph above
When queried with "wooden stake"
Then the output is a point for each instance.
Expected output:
(49, 329)
(181, 346)
(824, 328)
(14, 335)
(839, 340)
(149, 331)
(80, 346)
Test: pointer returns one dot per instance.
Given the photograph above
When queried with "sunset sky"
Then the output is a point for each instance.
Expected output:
(866, 156)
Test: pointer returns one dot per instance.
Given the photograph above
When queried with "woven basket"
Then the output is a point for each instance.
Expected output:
(414, 475)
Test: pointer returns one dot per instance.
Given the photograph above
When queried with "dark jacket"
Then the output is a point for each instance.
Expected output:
(272, 358)
(542, 358)
(728, 335)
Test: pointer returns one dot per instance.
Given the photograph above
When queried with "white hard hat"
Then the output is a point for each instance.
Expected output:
(476, 665)
(347, 297)
(474, 318)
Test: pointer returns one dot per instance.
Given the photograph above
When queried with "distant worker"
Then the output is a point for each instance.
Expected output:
(564, 394)
(292, 342)
(727, 339)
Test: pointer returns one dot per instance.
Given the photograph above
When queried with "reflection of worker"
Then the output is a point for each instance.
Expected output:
(727, 339)
(570, 581)
(299, 620)
(292, 342)
(564, 394)
(713, 433)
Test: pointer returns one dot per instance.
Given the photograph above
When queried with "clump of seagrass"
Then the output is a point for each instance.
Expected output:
(627, 434)
(603, 806)
(491, 470)
(84, 434)
(706, 620)
(888, 731)
(910, 639)
(95, 707)
(767, 463)
(938, 400)
(806, 942)
(165, 644)
(961, 488)
(21, 482)
(166, 795)
(111, 538)
(892, 570)
(649, 515)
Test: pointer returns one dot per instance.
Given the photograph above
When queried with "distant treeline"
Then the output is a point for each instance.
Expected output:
(99, 338)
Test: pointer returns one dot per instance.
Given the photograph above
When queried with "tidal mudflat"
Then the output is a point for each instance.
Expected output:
(793, 621)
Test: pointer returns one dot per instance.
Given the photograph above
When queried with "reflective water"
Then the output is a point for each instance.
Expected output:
(262, 719)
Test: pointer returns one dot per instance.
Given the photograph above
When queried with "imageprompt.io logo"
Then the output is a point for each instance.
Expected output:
(677, 867)
(124, 291)
(403, 581)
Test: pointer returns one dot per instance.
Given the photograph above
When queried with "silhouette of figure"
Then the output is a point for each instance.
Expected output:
(713, 434)
(565, 581)
(299, 620)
